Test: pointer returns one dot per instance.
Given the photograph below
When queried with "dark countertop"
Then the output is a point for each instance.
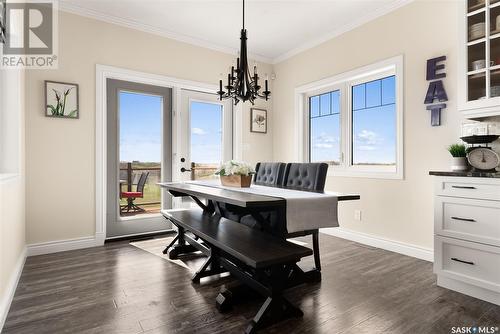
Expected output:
(465, 174)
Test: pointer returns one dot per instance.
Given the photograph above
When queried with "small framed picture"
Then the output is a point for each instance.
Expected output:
(61, 99)
(258, 120)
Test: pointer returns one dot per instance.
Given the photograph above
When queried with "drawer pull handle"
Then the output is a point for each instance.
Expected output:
(462, 261)
(463, 219)
(463, 187)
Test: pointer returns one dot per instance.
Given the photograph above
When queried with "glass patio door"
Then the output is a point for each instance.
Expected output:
(206, 135)
(139, 125)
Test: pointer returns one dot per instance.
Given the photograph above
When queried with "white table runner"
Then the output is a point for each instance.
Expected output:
(304, 210)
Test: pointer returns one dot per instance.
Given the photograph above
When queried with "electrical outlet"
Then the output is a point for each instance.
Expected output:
(357, 215)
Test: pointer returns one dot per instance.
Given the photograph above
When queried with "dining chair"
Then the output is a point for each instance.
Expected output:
(132, 195)
(266, 174)
(306, 176)
(269, 173)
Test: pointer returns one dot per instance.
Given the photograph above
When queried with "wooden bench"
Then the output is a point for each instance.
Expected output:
(258, 259)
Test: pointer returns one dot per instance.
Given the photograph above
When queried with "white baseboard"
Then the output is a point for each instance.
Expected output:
(469, 289)
(65, 245)
(374, 241)
(11, 287)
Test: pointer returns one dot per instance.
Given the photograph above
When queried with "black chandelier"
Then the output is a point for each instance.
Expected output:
(241, 84)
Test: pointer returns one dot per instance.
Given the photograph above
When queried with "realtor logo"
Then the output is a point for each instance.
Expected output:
(31, 35)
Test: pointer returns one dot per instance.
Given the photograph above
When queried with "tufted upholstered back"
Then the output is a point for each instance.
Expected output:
(269, 173)
(305, 176)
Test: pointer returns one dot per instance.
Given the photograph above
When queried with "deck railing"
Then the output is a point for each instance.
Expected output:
(203, 171)
(130, 179)
(198, 171)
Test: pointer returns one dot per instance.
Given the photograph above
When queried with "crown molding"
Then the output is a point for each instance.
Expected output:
(345, 28)
(93, 14)
(74, 9)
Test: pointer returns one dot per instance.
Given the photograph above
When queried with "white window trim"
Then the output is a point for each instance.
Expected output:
(344, 81)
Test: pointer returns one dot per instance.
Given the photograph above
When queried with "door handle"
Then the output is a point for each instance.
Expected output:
(463, 219)
(462, 261)
(463, 187)
(183, 170)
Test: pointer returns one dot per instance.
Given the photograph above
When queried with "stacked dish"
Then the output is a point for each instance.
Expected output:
(476, 31)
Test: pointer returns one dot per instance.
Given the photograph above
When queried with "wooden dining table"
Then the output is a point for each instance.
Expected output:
(234, 252)
(209, 196)
(216, 199)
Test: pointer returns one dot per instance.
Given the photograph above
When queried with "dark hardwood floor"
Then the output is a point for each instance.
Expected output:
(119, 288)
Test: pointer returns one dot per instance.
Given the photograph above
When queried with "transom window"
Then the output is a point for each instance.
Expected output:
(353, 121)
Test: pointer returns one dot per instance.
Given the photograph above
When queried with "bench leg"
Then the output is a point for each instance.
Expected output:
(272, 311)
(175, 251)
(317, 261)
(165, 251)
(233, 293)
(199, 273)
(210, 267)
(181, 247)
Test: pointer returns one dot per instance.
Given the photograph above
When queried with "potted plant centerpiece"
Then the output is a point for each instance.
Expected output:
(235, 174)
(458, 152)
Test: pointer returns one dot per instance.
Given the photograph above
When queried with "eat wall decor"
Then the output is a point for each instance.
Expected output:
(436, 94)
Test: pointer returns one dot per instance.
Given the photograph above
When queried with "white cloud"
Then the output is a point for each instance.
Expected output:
(368, 137)
(322, 145)
(198, 131)
(324, 141)
(367, 140)
(366, 148)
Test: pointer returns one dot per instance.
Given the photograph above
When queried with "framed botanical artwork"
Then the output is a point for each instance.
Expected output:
(258, 120)
(61, 99)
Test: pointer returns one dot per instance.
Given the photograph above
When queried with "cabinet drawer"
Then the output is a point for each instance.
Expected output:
(469, 219)
(469, 262)
(469, 187)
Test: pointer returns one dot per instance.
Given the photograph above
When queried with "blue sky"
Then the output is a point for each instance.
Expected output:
(140, 129)
(206, 132)
(374, 124)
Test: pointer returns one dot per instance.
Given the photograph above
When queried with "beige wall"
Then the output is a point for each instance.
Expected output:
(60, 153)
(400, 210)
(12, 193)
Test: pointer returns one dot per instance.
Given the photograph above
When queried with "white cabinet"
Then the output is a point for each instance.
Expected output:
(479, 58)
(467, 235)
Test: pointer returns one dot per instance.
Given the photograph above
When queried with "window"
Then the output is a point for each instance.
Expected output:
(206, 132)
(353, 121)
(324, 125)
(374, 122)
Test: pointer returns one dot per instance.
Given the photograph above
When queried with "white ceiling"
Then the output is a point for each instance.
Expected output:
(277, 29)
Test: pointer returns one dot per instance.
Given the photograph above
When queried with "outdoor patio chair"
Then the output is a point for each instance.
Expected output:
(132, 195)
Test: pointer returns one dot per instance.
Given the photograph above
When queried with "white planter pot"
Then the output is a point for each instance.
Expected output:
(459, 164)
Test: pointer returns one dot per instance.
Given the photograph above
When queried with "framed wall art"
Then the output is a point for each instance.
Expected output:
(258, 120)
(61, 99)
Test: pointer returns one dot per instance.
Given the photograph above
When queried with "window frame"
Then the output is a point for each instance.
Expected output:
(344, 82)
(307, 130)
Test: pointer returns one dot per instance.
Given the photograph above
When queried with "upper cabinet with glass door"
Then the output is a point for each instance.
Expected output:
(479, 87)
